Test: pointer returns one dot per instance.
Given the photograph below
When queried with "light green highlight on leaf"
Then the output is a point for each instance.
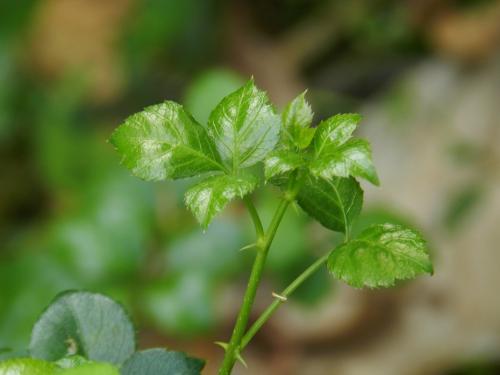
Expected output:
(207, 198)
(164, 141)
(244, 127)
(379, 256)
(281, 162)
(27, 366)
(296, 119)
(335, 153)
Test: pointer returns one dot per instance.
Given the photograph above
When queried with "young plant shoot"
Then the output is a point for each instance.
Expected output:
(316, 167)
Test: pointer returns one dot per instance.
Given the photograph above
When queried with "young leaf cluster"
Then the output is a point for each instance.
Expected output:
(83, 333)
(318, 167)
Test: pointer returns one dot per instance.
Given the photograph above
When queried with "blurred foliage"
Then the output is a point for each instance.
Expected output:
(72, 218)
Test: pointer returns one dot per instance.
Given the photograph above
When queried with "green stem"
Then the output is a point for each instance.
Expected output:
(263, 244)
(259, 229)
(264, 317)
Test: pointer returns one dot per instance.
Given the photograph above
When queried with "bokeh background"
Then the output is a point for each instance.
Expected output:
(424, 74)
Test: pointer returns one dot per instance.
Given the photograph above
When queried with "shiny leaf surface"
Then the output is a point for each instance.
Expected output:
(379, 256)
(164, 141)
(296, 119)
(280, 163)
(334, 203)
(244, 127)
(336, 154)
(207, 198)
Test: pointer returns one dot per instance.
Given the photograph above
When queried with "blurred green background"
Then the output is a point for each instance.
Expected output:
(424, 74)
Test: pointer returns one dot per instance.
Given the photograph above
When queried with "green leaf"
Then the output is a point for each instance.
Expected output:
(161, 362)
(164, 141)
(334, 203)
(83, 323)
(207, 198)
(336, 154)
(72, 361)
(91, 369)
(244, 126)
(381, 254)
(27, 366)
(281, 162)
(297, 118)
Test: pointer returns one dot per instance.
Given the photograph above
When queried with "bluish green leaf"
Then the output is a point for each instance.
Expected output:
(207, 198)
(164, 141)
(244, 126)
(379, 256)
(27, 366)
(281, 162)
(296, 119)
(83, 323)
(335, 203)
(161, 362)
(335, 154)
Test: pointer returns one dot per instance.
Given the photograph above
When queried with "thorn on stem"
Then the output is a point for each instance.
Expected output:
(280, 297)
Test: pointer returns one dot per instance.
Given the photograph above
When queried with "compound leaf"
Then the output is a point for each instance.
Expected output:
(164, 141)
(336, 154)
(207, 198)
(379, 256)
(281, 162)
(161, 362)
(83, 323)
(244, 126)
(335, 203)
(296, 119)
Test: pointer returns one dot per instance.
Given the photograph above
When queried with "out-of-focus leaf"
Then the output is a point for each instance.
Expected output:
(181, 303)
(27, 366)
(161, 362)
(215, 251)
(208, 197)
(88, 324)
(335, 204)
(461, 204)
(208, 90)
(71, 361)
(379, 256)
(244, 126)
(281, 162)
(91, 369)
(337, 155)
(28, 283)
(164, 141)
(296, 119)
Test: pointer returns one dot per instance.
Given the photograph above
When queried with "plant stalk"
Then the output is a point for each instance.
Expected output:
(264, 317)
(263, 245)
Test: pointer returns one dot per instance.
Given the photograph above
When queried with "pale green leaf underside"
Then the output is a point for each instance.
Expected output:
(83, 323)
(281, 162)
(164, 141)
(336, 154)
(207, 198)
(296, 119)
(381, 255)
(335, 203)
(244, 127)
(161, 362)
